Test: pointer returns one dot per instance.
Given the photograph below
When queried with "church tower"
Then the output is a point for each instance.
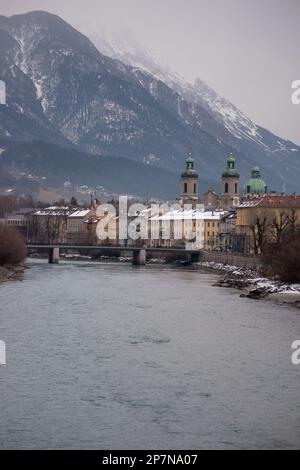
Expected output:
(230, 184)
(189, 182)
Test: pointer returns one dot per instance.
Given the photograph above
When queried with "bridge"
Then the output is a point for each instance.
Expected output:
(138, 252)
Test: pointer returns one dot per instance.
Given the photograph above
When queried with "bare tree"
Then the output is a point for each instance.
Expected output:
(283, 260)
(280, 225)
(259, 229)
(294, 224)
(49, 227)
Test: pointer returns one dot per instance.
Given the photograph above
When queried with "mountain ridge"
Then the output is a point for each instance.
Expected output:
(61, 89)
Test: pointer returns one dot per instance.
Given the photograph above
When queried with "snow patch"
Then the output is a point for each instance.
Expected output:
(272, 285)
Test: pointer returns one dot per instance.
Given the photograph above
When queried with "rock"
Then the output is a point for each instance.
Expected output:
(258, 293)
(11, 272)
(232, 282)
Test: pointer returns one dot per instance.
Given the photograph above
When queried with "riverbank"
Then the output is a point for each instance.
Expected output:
(253, 285)
(11, 272)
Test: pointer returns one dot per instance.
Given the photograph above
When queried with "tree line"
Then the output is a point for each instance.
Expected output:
(276, 236)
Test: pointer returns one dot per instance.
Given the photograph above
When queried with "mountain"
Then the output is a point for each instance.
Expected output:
(62, 90)
(254, 142)
(43, 159)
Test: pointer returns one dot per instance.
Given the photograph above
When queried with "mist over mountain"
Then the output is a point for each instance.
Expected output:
(112, 100)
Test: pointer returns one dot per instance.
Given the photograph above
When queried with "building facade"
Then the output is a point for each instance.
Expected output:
(265, 220)
(192, 228)
(21, 220)
(77, 229)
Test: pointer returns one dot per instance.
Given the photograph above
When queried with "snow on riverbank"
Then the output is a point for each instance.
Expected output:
(252, 277)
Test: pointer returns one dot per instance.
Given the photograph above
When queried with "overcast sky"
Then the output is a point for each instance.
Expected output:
(247, 50)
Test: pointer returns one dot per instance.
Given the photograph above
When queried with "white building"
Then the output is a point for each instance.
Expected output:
(182, 228)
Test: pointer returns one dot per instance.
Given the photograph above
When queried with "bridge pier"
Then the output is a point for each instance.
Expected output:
(53, 255)
(139, 257)
(194, 257)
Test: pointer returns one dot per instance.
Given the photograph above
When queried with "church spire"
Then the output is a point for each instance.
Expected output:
(189, 181)
(189, 160)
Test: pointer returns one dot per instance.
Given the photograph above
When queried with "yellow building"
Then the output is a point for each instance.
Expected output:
(265, 219)
(212, 230)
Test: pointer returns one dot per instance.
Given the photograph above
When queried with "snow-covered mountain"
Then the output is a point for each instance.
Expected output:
(115, 100)
(126, 48)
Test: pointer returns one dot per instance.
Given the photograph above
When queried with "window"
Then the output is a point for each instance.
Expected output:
(195, 188)
(226, 188)
(185, 188)
(235, 188)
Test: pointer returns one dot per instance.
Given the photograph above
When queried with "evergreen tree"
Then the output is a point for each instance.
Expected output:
(73, 202)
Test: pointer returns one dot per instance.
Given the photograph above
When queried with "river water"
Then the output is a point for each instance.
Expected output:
(107, 356)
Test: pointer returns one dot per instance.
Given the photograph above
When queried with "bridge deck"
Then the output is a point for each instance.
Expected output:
(113, 248)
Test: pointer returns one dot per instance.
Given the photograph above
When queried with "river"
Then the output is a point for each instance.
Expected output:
(107, 356)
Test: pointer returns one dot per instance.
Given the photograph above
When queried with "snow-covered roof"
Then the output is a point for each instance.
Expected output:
(63, 211)
(229, 215)
(272, 201)
(248, 204)
(80, 213)
(54, 210)
(192, 214)
(141, 213)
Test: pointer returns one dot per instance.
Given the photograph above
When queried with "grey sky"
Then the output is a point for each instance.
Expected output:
(247, 50)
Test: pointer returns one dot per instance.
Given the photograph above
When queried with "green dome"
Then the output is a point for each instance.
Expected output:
(255, 185)
(231, 171)
(189, 172)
